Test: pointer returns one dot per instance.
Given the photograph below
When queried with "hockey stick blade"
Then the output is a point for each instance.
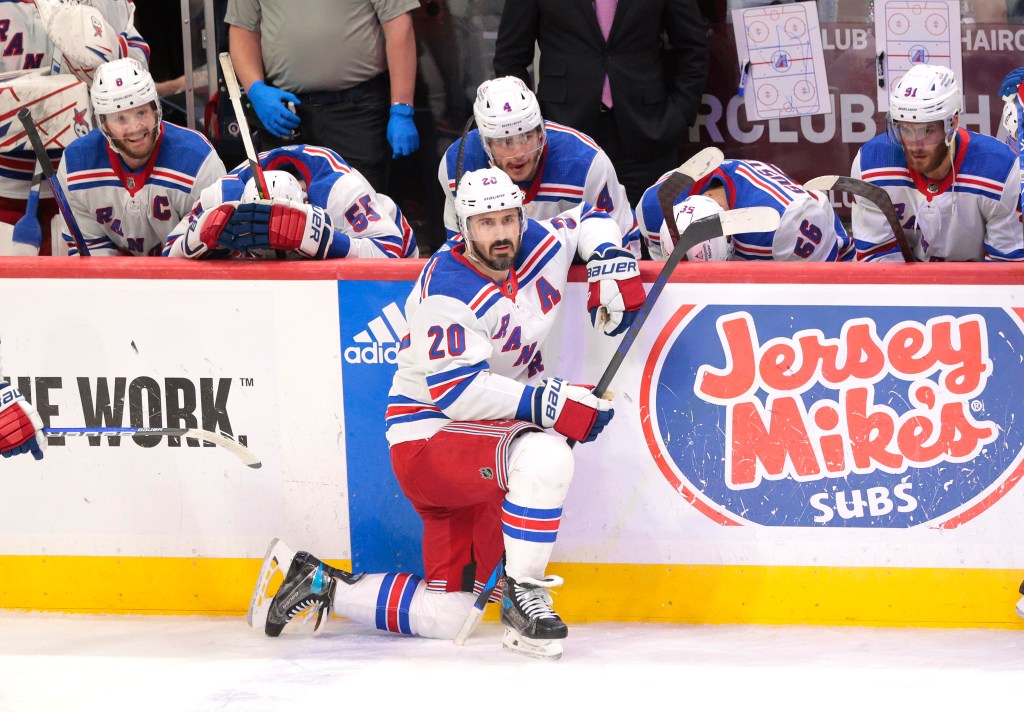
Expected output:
(476, 614)
(687, 174)
(25, 117)
(233, 446)
(874, 194)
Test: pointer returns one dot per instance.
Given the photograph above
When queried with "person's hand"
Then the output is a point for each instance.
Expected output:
(21, 428)
(402, 134)
(279, 225)
(573, 411)
(616, 290)
(1010, 83)
(269, 103)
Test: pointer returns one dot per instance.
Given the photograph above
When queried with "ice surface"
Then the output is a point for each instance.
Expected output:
(154, 663)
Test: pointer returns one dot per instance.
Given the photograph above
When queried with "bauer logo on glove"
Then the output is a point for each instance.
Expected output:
(616, 291)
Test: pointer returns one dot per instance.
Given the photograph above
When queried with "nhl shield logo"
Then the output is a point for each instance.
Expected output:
(838, 416)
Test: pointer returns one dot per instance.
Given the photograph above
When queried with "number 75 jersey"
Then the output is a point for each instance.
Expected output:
(473, 343)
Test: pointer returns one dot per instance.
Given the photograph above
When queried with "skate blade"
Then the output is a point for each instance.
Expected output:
(1020, 607)
(530, 647)
(278, 559)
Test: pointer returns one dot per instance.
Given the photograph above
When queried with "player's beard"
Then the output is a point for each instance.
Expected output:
(929, 161)
(498, 263)
(141, 151)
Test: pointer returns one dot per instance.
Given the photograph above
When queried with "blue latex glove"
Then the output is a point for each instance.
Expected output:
(1010, 83)
(402, 133)
(269, 103)
(27, 230)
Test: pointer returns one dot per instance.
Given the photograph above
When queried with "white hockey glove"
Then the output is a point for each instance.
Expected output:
(20, 425)
(573, 411)
(83, 36)
(616, 290)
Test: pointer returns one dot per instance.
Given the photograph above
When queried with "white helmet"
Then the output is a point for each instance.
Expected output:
(122, 84)
(691, 209)
(505, 107)
(280, 184)
(484, 191)
(926, 93)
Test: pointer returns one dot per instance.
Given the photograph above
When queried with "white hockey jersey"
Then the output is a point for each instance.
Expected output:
(368, 222)
(573, 170)
(24, 45)
(473, 344)
(971, 215)
(809, 230)
(121, 212)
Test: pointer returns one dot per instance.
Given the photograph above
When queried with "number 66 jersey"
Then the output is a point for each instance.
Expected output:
(473, 343)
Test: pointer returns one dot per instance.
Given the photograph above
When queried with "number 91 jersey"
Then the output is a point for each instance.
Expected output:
(474, 343)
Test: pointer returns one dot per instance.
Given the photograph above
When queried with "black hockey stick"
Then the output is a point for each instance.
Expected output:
(25, 117)
(233, 446)
(461, 155)
(874, 194)
(730, 222)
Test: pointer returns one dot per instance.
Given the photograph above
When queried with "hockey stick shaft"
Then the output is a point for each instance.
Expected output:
(235, 95)
(233, 446)
(25, 117)
(873, 193)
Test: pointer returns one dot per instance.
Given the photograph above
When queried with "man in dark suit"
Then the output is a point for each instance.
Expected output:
(652, 94)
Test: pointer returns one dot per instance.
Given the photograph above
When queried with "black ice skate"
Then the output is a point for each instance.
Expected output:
(531, 627)
(307, 591)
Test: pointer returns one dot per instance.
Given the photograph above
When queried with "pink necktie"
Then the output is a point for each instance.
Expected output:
(605, 10)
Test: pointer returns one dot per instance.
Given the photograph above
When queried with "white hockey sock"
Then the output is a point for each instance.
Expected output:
(529, 538)
(400, 603)
(540, 469)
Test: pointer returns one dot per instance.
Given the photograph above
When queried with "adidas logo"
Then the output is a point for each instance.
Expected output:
(378, 342)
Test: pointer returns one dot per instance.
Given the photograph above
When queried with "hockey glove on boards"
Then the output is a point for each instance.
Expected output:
(616, 290)
(402, 134)
(263, 225)
(573, 411)
(269, 103)
(20, 425)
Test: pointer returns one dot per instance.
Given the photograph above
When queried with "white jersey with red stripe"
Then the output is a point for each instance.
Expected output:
(971, 215)
(132, 212)
(573, 170)
(24, 45)
(474, 344)
(373, 224)
(809, 230)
